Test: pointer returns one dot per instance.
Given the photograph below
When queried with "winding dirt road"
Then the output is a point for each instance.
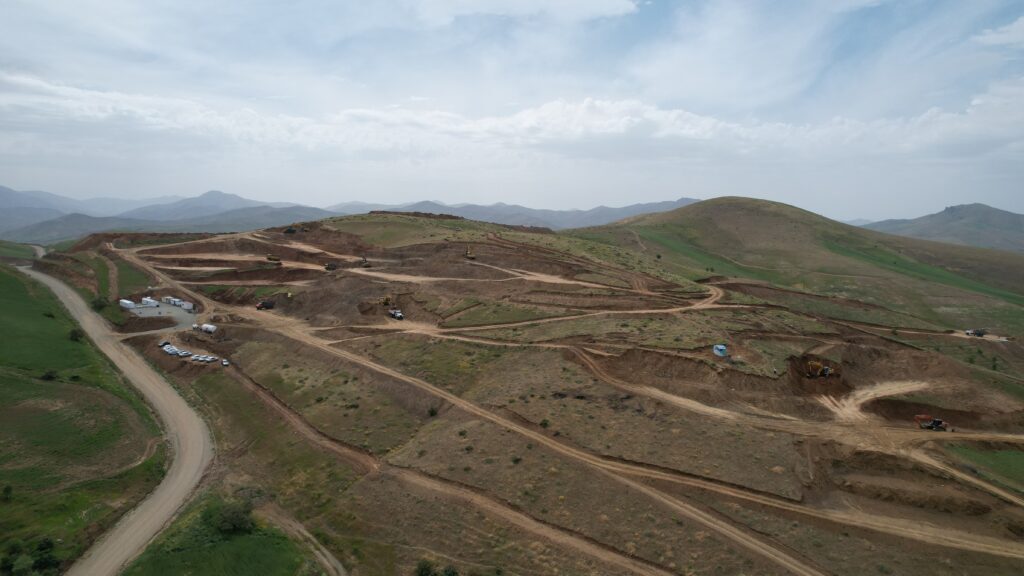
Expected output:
(187, 434)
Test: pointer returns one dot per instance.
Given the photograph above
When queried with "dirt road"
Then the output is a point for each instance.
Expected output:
(189, 438)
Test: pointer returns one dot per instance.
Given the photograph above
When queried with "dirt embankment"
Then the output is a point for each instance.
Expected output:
(93, 241)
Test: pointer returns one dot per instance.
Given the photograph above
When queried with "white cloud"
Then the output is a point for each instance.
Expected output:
(992, 120)
(443, 12)
(1010, 35)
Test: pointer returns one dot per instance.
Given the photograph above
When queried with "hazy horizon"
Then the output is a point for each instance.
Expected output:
(856, 109)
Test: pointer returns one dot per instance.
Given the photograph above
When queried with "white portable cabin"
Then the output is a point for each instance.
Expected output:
(176, 301)
(167, 299)
(208, 328)
(187, 306)
(126, 304)
(149, 302)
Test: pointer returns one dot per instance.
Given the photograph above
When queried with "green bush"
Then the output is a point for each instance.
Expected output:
(229, 517)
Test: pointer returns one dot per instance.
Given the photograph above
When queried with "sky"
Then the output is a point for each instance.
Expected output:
(851, 108)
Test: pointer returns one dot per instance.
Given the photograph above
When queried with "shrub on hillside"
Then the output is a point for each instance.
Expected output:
(229, 517)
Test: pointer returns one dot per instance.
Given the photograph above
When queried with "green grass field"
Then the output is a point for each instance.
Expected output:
(99, 270)
(1005, 466)
(72, 434)
(193, 547)
(896, 263)
(12, 250)
(130, 280)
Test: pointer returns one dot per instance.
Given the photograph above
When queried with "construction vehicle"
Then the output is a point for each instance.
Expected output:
(927, 422)
(469, 254)
(816, 369)
(265, 305)
(290, 230)
(331, 266)
(273, 258)
(385, 300)
(979, 332)
(364, 263)
(396, 314)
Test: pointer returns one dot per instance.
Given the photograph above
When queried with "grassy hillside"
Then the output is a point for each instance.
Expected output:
(970, 224)
(12, 250)
(947, 285)
(77, 447)
(219, 538)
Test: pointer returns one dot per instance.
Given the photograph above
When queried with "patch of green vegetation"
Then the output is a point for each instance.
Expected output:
(459, 306)
(12, 250)
(130, 280)
(71, 516)
(99, 270)
(892, 261)
(220, 538)
(500, 313)
(62, 246)
(393, 230)
(451, 364)
(31, 312)
(67, 423)
(606, 245)
(604, 279)
(1004, 466)
(702, 260)
(839, 310)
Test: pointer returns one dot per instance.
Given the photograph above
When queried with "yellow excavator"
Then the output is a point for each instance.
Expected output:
(816, 369)
(469, 254)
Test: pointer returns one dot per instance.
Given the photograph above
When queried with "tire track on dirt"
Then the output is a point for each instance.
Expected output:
(368, 464)
(750, 542)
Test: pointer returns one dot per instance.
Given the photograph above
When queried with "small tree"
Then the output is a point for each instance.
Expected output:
(449, 571)
(425, 568)
(49, 375)
(75, 335)
(98, 303)
(231, 517)
(7, 493)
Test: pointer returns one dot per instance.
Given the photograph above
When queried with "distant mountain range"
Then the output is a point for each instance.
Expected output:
(521, 215)
(18, 209)
(42, 217)
(72, 226)
(967, 224)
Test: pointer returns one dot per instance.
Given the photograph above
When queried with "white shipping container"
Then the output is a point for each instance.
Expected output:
(208, 328)
(126, 304)
(167, 299)
(187, 305)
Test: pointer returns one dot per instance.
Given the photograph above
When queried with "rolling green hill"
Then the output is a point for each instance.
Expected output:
(944, 284)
